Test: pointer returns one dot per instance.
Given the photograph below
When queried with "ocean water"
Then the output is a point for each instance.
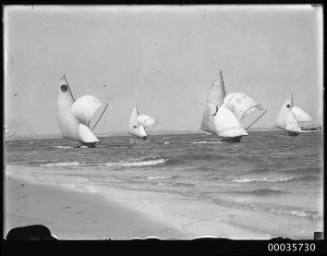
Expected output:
(268, 172)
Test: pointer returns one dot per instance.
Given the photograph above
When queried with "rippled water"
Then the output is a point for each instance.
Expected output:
(267, 172)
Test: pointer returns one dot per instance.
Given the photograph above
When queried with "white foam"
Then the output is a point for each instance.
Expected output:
(63, 147)
(263, 179)
(156, 177)
(137, 163)
(61, 164)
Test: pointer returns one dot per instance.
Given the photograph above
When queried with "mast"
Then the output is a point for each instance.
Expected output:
(255, 120)
(292, 100)
(105, 108)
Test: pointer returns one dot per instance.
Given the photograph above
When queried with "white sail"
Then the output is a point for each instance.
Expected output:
(304, 119)
(74, 119)
(241, 104)
(208, 124)
(146, 121)
(291, 124)
(134, 128)
(281, 117)
(68, 124)
(300, 115)
(86, 135)
(84, 108)
(227, 125)
(215, 100)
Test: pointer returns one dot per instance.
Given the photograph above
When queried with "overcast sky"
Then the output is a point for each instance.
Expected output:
(162, 58)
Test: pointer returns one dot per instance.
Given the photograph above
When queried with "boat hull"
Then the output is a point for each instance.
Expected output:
(86, 145)
(293, 133)
(231, 139)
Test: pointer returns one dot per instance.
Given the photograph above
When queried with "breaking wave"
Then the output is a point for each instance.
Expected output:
(60, 164)
(136, 163)
(156, 177)
(149, 161)
(63, 147)
(263, 179)
(276, 179)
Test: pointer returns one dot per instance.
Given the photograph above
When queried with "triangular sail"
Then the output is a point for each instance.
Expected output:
(241, 104)
(227, 124)
(215, 100)
(84, 108)
(208, 123)
(304, 119)
(283, 112)
(68, 124)
(291, 124)
(134, 128)
(300, 115)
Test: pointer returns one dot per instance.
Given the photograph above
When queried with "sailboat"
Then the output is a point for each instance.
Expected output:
(294, 120)
(74, 117)
(140, 123)
(223, 113)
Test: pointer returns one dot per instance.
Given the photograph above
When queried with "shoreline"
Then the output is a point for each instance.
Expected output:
(188, 217)
(184, 215)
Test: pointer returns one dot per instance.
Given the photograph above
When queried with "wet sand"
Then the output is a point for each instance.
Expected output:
(76, 215)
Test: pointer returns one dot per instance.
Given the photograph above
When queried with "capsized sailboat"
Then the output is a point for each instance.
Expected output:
(140, 123)
(294, 120)
(74, 117)
(214, 101)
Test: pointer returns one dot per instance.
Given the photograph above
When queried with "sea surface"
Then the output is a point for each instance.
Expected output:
(268, 172)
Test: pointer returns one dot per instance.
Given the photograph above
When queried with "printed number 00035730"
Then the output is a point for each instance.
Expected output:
(291, 247)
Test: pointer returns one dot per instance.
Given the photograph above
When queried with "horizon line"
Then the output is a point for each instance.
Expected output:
(119, 133)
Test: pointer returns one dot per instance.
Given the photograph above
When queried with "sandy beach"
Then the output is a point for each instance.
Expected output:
(82, 210)
(76, 215)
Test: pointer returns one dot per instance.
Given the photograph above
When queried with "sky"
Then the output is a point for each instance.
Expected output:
(163, 58)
